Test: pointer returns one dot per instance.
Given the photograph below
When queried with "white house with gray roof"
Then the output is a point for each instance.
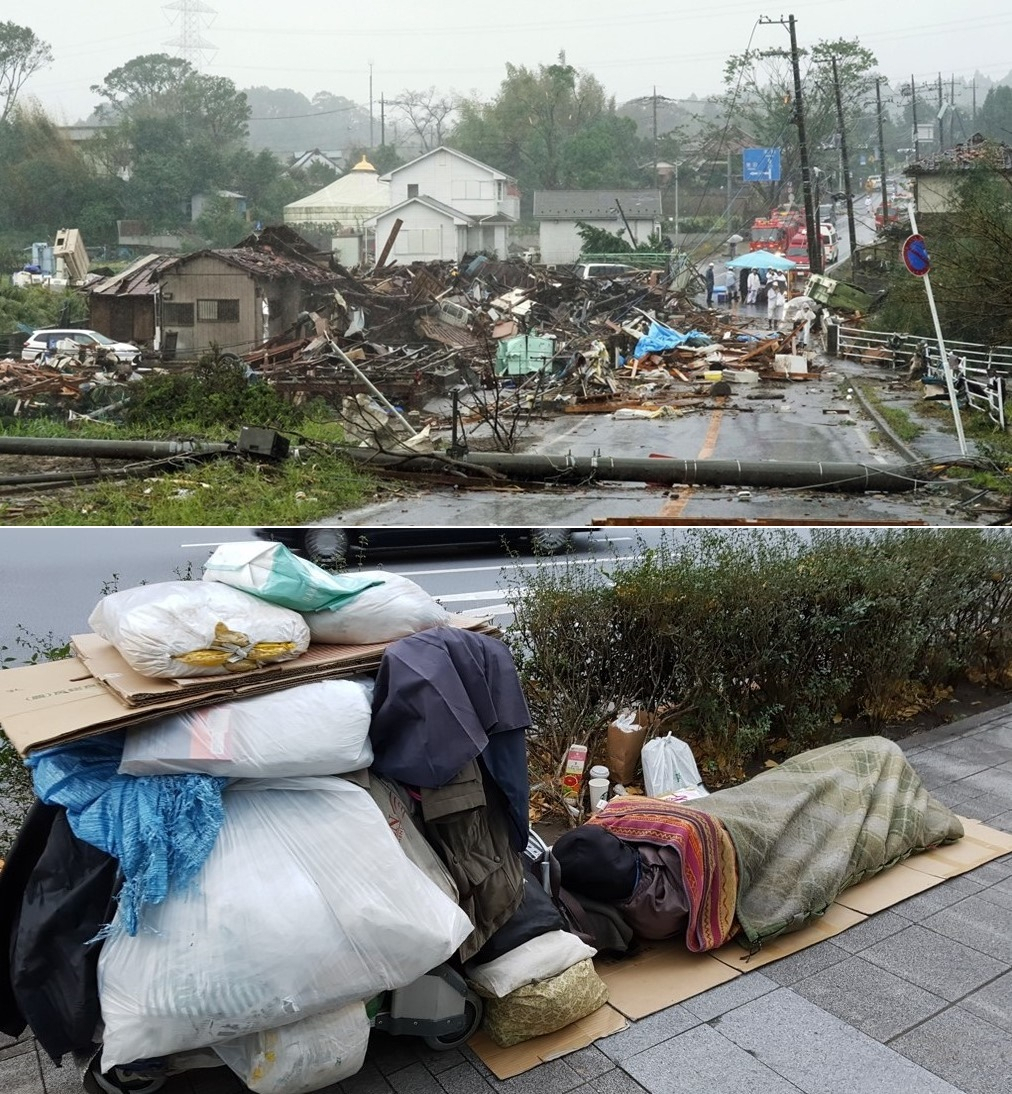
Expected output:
(559, 211)
(449, 204)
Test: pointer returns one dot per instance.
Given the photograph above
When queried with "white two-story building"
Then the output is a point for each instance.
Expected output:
(449, 205)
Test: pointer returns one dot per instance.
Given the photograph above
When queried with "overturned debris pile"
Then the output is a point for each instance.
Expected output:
(419, 331)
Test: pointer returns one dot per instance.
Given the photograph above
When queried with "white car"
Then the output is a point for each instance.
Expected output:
(43, 342)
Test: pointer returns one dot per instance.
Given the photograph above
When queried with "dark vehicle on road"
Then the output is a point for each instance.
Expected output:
(332, 545)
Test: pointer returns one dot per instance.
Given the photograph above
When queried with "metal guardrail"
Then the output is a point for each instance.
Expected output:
(982, 373)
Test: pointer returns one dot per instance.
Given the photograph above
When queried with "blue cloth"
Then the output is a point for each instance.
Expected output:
(161, 828)
(659, 338)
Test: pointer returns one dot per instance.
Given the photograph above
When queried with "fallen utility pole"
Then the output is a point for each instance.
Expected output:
(842, 477)
(110, 450)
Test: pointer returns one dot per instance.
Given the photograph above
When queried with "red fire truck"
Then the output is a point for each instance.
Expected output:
(773, 233)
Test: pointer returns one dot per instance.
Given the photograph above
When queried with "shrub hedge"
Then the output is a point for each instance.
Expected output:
(760, 642)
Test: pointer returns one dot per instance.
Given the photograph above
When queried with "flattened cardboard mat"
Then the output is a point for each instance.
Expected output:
(665, 973)
(98, 692)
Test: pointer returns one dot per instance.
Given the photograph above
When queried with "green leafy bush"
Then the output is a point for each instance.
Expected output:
(216, 393)
(762, 643)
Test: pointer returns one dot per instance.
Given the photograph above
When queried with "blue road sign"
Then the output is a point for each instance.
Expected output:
(915, 255)
(760, 165)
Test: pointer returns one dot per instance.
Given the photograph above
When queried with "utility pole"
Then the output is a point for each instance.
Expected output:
(881, 152)
(814, 251)
(383, 121)
(913, 107)
(656, 183)
(952, 111)
(851, 229)
(941, 120)
(727, 211)
(974, 104)
(371, 142)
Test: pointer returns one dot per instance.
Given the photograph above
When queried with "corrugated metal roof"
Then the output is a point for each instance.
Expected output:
(140, 278)
(261, 263)
(597, 204)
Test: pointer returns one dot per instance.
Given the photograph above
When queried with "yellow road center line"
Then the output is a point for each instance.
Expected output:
(674, 507)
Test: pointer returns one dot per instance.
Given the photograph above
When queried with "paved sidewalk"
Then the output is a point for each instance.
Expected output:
(915, 1000)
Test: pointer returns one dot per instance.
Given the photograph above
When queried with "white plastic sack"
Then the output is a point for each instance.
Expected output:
(540, 958)
(393, 609)
(302, 1057)
(271, 572)
(305, 904)
(319, 728)
(668, 765)
(192, 628)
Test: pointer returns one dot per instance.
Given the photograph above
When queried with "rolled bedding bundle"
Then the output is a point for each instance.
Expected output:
(539, 958)
(392, 608)
(319, 728)
(176, 629)
(544, 1006)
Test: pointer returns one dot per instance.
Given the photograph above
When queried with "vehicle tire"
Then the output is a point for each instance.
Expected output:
(474, 1010)
(549, 541)
(229, 359)
(327, 547)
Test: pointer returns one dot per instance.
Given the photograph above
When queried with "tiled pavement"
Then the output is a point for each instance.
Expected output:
(914, 1000)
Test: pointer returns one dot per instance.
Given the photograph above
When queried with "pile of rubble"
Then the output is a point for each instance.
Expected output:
(65, 383)
(545, 336)
(419, 331)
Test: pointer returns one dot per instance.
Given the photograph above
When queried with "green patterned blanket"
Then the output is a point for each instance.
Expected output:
(820, 822)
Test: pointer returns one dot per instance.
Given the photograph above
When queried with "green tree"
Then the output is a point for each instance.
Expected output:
(552, 127)
(45, 182)
(995, 117)
(219, 224)
(176, 132)
(969, 249)
(759, 98)
(22, 54)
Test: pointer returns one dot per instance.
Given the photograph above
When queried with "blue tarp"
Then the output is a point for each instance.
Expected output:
(161, 828)
(659, 338)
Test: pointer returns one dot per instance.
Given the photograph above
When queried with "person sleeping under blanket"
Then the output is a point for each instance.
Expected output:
(759, 859)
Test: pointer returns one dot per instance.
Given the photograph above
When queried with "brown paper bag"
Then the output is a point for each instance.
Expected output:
(625, 742)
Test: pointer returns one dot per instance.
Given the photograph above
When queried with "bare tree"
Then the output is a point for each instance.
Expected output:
(429, 114)
(21, 55)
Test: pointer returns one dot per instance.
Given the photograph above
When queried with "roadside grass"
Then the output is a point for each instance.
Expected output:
(991, 443)
(898, 420)
(221, 491)
(313, 483)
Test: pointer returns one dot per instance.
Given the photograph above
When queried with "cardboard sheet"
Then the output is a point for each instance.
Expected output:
(836, 919)
(504, 1063)
(978, 845)
(105, 663)
(660, 975)
(68, 700)
(888, 888)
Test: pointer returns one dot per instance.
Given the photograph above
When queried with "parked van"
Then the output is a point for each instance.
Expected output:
(830, 243)
(588, 270)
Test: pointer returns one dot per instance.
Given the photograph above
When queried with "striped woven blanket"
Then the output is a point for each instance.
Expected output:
(709, 873)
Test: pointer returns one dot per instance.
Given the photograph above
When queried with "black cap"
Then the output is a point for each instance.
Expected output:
(596, 863)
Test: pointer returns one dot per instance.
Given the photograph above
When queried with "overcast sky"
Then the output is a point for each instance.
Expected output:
(323, 45)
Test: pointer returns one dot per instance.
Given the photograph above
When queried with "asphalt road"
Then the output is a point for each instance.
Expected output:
(51, 578)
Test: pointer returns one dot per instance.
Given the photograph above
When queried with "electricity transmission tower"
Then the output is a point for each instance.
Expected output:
(192, 16)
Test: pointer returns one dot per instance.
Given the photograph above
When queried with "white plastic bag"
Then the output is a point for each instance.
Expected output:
(302, 1057)
(305, 904)
(539, 958)
(271, 572)
(393, 609)
(319, 728)
(668, 765)
(194, 628)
